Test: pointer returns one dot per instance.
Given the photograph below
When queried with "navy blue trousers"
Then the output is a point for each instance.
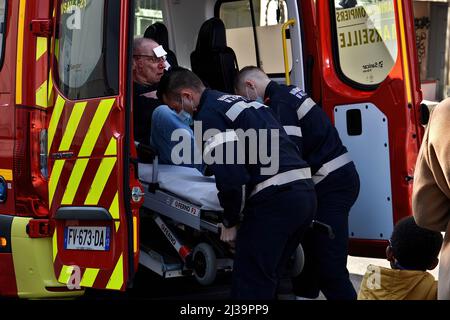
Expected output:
(272, 228)
(326, 259)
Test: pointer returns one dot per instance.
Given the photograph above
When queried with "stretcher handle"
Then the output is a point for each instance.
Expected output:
(146, 153)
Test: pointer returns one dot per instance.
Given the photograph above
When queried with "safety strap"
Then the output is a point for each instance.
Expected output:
(331, 166)
(283, 178)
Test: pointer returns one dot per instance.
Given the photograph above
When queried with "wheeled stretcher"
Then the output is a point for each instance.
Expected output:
(184, 206)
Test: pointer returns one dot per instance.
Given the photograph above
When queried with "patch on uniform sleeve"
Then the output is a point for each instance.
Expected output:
(229, 98)
(299, 93)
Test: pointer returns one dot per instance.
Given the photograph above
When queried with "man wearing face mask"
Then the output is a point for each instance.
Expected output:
(272, 227)
(334, 174)
(148, 68)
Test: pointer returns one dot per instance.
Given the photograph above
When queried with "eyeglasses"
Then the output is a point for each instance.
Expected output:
(153, 59)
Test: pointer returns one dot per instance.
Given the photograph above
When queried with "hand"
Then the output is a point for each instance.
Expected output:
(227, 234)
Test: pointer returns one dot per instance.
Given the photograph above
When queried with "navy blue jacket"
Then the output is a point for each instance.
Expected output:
(223, 112)
(320, 142)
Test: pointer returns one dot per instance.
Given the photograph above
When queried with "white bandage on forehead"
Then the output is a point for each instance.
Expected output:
(160, 52)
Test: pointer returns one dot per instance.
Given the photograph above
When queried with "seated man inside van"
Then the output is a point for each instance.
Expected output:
(172, 136)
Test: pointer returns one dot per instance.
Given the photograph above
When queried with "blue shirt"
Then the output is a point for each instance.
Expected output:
(173, 139)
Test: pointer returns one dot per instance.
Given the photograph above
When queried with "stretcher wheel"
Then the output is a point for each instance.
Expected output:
(298, 261)
(205, 264)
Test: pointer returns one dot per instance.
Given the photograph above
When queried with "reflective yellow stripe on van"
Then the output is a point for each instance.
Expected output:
(100, 180)
(41, 47)
(404, 51)
(96, 126)
(54, 179)
(89, 277)
(116, 280)
(6, 174)
(114, 210)
(74, 181)
(66, 273)
(55, 244)
(19, 61)
(111, 150)
(41, 95)
(56, 116)
(72, 126)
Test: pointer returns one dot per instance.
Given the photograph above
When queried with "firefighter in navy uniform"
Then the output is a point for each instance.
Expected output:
(271, 227)
(334, 175)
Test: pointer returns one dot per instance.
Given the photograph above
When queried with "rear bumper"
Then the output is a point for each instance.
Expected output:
(32, 261)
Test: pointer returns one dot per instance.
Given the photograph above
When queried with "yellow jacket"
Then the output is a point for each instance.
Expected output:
(391, 284)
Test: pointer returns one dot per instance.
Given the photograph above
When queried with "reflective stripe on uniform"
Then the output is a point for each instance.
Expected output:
(306, 106)
(283, 178)
(293, 131)
(240, 106)
(218, 139)
(331, 166)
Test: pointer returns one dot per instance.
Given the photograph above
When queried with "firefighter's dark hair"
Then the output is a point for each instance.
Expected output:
(176, 79)
(415, 248)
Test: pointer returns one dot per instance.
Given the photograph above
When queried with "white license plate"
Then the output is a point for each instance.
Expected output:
(87, 238)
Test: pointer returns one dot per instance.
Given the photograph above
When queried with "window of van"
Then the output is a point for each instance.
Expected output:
(88, 59)
(269, 16)
(366, 40)
(3, 13)
(147, 13)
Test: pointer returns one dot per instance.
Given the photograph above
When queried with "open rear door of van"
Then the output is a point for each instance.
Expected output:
(95, 240)
(371, 89)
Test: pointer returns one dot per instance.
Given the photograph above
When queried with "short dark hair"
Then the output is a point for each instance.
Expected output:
(415, 248)
(176, 79)
(243, 74)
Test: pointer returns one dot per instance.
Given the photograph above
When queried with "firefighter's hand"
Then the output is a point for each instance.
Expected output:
(227, 234)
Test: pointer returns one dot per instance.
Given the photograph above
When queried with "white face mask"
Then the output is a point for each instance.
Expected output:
(256, 97)
(185, 116)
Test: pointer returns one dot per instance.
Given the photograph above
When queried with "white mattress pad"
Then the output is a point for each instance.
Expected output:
(187, 183)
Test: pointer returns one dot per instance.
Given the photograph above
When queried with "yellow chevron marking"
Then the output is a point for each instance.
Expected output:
(54, 179)
(19, 61)
(89, 277)
(50, 87)
(6, 174)
(41, 47)
(117, 223)
(41, 95)
(116, 280)
(96, 127)
(65, 274)
(74, 181)
(56, 115)
(112, 148)
(404, 52)
(101, 177)
(57, 49)
(114, 209)
(72, 126)
(135, 238)
(55, 245)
